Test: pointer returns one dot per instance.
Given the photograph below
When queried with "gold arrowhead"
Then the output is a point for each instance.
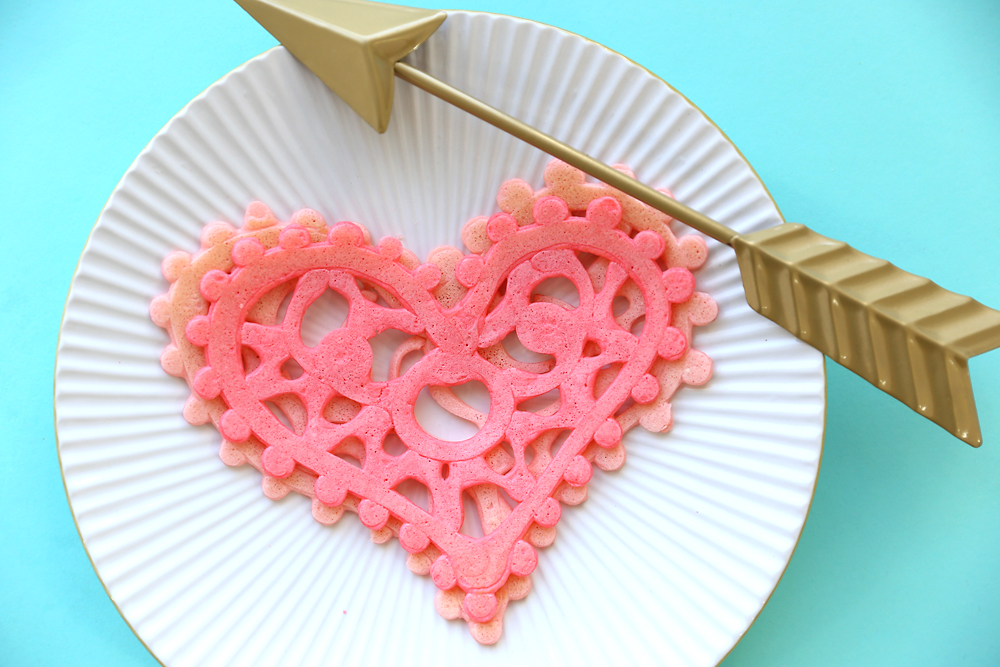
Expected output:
(351, 45)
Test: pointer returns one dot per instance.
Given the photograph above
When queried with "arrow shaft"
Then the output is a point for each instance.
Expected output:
(907, 358)
(566, 153)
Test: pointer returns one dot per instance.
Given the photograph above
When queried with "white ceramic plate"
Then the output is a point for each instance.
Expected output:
(670, 559)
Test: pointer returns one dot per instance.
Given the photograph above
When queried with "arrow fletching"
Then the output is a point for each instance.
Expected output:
(904, 334)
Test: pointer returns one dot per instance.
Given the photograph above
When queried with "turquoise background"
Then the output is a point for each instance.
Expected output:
(875, 123)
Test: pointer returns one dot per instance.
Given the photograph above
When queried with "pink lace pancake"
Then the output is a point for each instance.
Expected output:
(313, 419)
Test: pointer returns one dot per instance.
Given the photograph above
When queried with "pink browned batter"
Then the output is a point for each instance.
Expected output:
(313, 420)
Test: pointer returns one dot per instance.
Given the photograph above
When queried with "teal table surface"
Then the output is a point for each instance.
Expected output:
(877, 123)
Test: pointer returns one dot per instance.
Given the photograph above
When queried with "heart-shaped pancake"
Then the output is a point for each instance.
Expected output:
(313, 419)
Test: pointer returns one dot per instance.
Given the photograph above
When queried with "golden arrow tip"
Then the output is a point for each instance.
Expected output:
(351, 45)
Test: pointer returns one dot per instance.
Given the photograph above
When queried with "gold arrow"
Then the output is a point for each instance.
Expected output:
(904, 334)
